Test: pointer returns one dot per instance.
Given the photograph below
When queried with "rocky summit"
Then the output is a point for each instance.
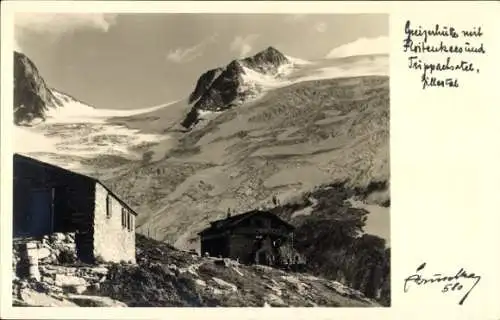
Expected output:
(266, 61)
(32, 96)
(222, 88)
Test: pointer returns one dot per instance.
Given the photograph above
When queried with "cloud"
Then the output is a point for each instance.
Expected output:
(57, 24)
(182, 55)
(362, 46)
(243, 45)
(320, 27)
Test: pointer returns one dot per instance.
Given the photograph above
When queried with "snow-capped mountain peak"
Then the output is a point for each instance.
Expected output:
(250, 78)
(242, 79)
(52, 126)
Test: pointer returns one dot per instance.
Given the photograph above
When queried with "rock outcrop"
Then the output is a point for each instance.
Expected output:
(167, 277)
(222, 88)
(204, 83)
(32, 96)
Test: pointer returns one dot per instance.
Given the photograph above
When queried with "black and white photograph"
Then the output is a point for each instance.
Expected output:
(201, 160)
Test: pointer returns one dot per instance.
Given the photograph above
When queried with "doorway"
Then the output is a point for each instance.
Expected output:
(40, 211)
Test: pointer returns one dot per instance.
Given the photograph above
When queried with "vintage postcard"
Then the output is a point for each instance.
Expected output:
(249, 159)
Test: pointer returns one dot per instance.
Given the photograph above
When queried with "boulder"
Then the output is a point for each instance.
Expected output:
(94, 301)
(263, 268)
(225, 285)
(31, 245)
(57, 237)
(90, 278)
(46, 271)
(43, 253)
(97, 270)
(55, 289)
(235, 269)
(78, 289)
(48, 280)
(215, 291)
(275, 289)
(36, 299)
(67, 280)
(45, 240)
(275, 301)
(201, 283)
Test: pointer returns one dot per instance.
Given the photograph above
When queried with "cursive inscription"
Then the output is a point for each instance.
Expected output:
(450, 283)
(436, 50)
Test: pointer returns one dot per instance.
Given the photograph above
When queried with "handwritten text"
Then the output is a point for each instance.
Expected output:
(433, 51)
(450, 283)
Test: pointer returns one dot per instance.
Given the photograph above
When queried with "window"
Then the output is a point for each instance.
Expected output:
(108, 206)
(131, 222)
(128, 221)
(124, 217)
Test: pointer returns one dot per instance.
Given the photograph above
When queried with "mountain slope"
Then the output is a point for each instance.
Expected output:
(289, 141)
(320, 122)
(32, 97)
(55, 127)
(166, 277)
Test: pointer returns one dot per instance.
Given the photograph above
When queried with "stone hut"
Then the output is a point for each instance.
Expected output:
(257, 236)
(49, 199)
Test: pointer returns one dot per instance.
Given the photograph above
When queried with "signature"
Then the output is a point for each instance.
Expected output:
(452, 283)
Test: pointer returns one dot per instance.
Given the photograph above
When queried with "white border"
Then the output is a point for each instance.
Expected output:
(413, 238)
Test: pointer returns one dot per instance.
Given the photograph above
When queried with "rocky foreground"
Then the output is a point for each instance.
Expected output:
(167, 277)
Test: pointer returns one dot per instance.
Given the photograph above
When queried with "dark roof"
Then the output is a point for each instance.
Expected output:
(45, 164)
(232, 221)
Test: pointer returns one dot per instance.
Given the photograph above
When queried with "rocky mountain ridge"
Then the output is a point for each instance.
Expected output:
(221, 88)
(32, 96)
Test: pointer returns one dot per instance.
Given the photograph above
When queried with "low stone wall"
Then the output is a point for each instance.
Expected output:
(30, 253)
(78, 283)
(49, 266)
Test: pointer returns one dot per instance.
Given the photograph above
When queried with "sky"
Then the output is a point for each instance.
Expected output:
(129, 61)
